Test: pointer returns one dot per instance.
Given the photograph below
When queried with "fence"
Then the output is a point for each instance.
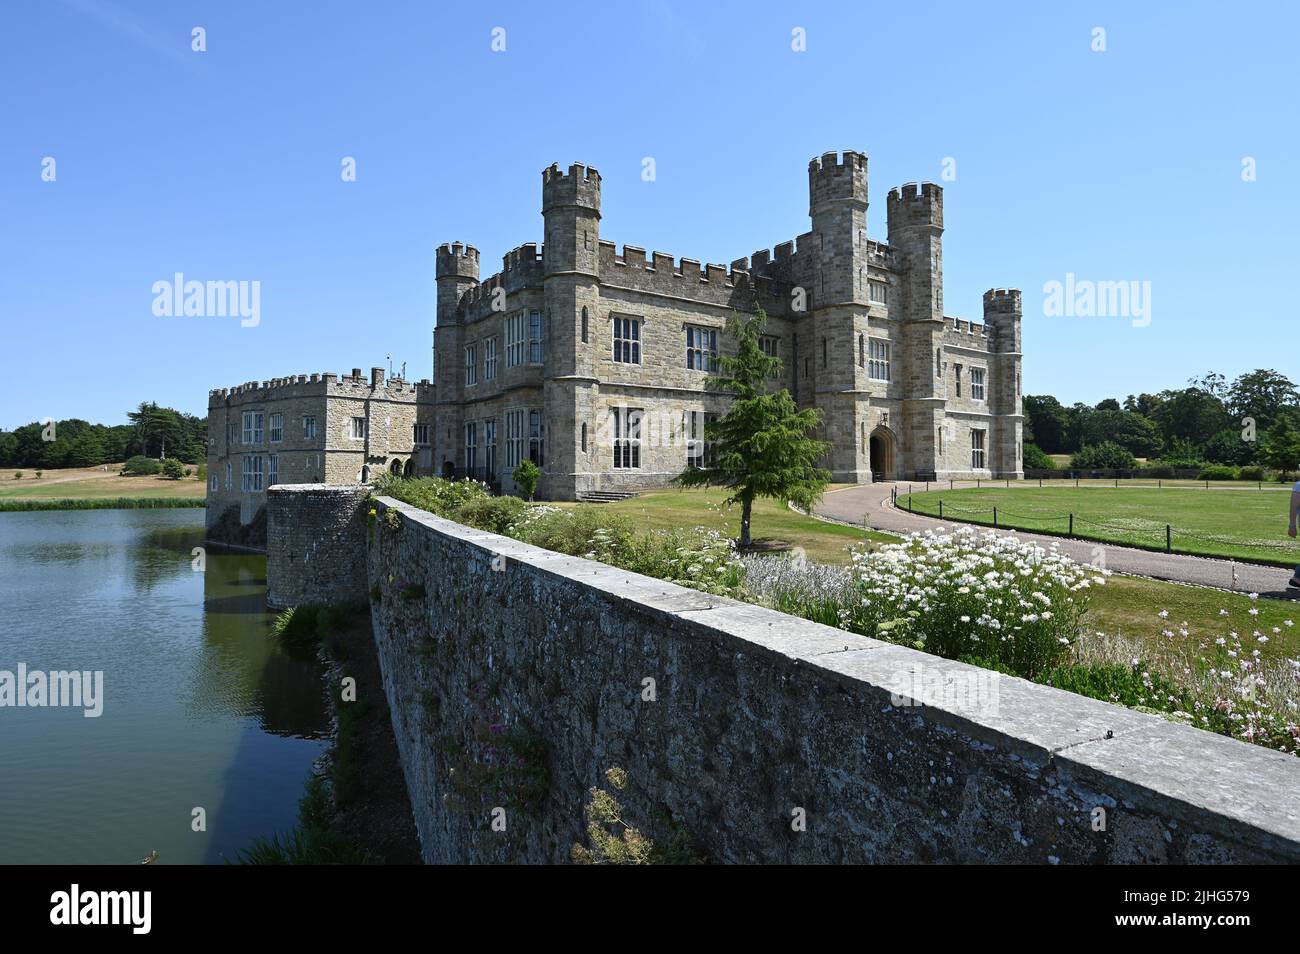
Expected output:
(1069, 525)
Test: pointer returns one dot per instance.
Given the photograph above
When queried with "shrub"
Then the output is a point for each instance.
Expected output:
(1252, 472)
(1217, 472)
(173, 469)
(580, 531)
(494, 514)
(1161, 471)
(1104, 456)
(972, 594)
(39, 474)
(1134, 685)
(434, 494)
(18, 475)
(140, 466)
(1036, 459)
(526, 476)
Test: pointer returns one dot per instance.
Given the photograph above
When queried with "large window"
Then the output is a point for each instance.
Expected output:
(252, 427)
(627, 340)
(471, 446)
(534, 337)
(878, 359)
(252, 473)
(471, 364)
(699, 450)
(515, 340)
(489, 359)
(490, 447)
(514, 439)
(879, 292)
(277, 428)
(627, 436)
(977, 384)
(701, 348)
(420, 437)
(977, 449)
(358, 429)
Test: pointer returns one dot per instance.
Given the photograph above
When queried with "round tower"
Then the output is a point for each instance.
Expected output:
(457, 272)
(571, 213)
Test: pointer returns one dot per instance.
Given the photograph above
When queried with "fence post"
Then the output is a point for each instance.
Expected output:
(1169, 539)
(995, 516)
(909, 502)
(1076, 482)
(940, 508)
(1008, 483)
(927, 486)
(977, 482)
(1117, 483)
(1159, 483)
(1040, 482)
(1071, 533)
(1207, 485)
(950, 483)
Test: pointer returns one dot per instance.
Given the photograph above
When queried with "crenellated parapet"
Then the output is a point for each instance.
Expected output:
(915, 205)
(683, 277)
(580, 187)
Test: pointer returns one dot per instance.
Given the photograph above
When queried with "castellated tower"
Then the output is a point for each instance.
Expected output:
(915, 216)
(837, 206)
(457, 272)
(1002, 314)
(571, 284)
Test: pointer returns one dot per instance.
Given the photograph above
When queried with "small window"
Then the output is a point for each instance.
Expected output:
(514, 438)
(699, 449)
(216, 482)
(252, 427)
(358, 429)
(277, 428)
(489, 359)
(879, 293)
(862, 351)
(584, 437)
(977, 449)
(515, 340)
(977, 384)
(701, 348)
(471, 446)
(534, 337)
(938, 362)
(273, 472)
(420, 437)
(252, 475)
(957, 369)
(627, 340)
(584, 326)
(824, 354)
(536, 437)
(878, 359)
(309, 428)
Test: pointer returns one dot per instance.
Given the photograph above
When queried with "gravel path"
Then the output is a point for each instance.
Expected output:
(872, 501)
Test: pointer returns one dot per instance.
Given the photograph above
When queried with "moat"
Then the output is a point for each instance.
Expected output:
(201, 708)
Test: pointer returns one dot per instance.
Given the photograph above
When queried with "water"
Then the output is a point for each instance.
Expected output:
(201, 707)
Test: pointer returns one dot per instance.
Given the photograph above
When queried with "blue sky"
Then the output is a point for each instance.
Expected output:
(225, 165)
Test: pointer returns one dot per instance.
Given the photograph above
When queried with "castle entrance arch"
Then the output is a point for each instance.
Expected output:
(883, 451)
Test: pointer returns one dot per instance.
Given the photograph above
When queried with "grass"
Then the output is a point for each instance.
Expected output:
(772, 521)
(1243, 525)
(1126, 606)
(90, 487)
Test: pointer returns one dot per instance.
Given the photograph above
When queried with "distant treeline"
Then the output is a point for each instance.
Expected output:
(1255, 420)
(151, 431)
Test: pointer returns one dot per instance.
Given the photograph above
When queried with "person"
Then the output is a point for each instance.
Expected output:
(1291, 530)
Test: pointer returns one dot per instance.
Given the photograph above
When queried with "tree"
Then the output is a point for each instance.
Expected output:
(1192, 414)
(173, 469)
(1108, 404)
(1045, 422)
(1261, 394)
(1282, 447)
(526, 476)
(762, 446)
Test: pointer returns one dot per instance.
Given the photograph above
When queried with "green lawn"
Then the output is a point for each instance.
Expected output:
(91, 483)
(1126, 606)
(822, 542)
(1244, 524)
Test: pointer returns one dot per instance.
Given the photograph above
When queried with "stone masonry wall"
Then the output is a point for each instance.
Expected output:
(517, 676)
(316, 544)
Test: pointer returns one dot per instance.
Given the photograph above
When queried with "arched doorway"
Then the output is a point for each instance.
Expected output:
(395, 467)
(883, 452)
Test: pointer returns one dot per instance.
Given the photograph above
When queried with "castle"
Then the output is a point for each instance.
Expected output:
(305, 429)
(594, 364)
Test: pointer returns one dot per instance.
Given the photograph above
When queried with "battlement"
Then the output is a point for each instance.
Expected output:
(304, 385)
(457, 260)
(580, 186)
(878, 253)
(1002, 301)
(963, 327)
(835, 177)
(915, 204)
(525, 256)
(634, 257)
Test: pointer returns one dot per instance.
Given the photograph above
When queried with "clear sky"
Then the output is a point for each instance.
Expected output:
(1122, 165)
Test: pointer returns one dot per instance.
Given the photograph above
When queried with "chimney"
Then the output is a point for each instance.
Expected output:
(376, 377)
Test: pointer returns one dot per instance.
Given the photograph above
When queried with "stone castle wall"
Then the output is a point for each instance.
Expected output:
(316, 545)
(490, 647)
